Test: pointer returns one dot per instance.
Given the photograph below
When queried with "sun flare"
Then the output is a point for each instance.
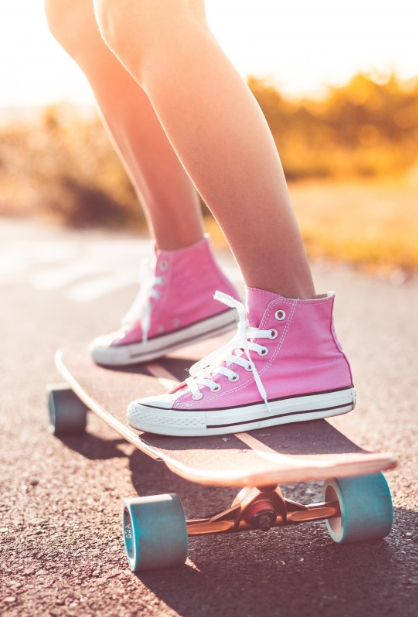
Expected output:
(301, 45)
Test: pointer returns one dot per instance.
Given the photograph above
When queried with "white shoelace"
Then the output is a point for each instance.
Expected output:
(142, 307)
(236, 351)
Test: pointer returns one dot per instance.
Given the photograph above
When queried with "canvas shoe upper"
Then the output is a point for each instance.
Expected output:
(285, 364)
(174, 307)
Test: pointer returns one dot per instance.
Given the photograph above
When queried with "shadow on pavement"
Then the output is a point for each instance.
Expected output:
(287, 571)
(92, 447)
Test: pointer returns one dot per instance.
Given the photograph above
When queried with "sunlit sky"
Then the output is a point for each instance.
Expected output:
(302, 45)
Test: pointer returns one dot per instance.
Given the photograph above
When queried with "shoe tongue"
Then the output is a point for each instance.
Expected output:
(257, 300)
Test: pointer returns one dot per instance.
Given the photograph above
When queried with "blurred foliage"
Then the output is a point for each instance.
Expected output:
(62, 165)
(367, 128)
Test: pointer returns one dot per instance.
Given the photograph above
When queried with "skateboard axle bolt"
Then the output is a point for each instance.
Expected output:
(261, 515)
(263, 520)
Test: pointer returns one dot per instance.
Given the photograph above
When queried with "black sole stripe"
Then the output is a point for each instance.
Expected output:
(208, 320)
(272, 400)
(283, 415)
(182, 342)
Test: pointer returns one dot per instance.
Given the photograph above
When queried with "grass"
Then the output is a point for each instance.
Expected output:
(372, 224)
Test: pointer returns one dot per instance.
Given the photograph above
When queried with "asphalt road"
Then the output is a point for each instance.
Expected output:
(61, 549)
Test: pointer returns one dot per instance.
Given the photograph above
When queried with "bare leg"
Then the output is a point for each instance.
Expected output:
(217, 130)
(169, 197)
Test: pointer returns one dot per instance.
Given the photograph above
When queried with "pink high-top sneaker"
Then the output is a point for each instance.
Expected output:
(175, 307)
(284, 365)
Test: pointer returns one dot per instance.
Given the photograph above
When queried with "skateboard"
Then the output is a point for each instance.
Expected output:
(356, 503)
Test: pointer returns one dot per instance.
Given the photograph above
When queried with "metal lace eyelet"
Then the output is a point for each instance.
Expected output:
(263, 351)
(280, 315)
(216, 388)
(248, 368)
(163, 264)
(273, 333)
(197, 397)
(234, 377)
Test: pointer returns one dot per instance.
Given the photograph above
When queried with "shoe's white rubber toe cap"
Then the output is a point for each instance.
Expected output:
(155, 414)
(162, 401)
(103, 352)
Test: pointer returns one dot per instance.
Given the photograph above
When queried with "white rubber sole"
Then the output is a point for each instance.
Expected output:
(186, 423)
(125, 355)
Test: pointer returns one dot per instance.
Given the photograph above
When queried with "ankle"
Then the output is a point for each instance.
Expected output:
(293, 292)
(178, 244)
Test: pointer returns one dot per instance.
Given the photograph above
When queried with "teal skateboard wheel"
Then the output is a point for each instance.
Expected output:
(155, 532)
(366, 508)
(67, 413)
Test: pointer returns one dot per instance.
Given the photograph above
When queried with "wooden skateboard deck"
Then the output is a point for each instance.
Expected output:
(283, 454)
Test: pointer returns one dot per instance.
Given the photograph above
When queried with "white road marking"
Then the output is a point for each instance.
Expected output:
(165, 378)
(58, 278)
(96, 288)
(254, 444)
(53, 252)
(84, 271)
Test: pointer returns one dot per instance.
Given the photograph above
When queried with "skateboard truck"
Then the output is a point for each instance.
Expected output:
(261, 508)
(354, 509)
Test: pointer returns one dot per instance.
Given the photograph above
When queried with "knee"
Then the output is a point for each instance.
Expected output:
(70, 22)
(130, 23)
(132, 28)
